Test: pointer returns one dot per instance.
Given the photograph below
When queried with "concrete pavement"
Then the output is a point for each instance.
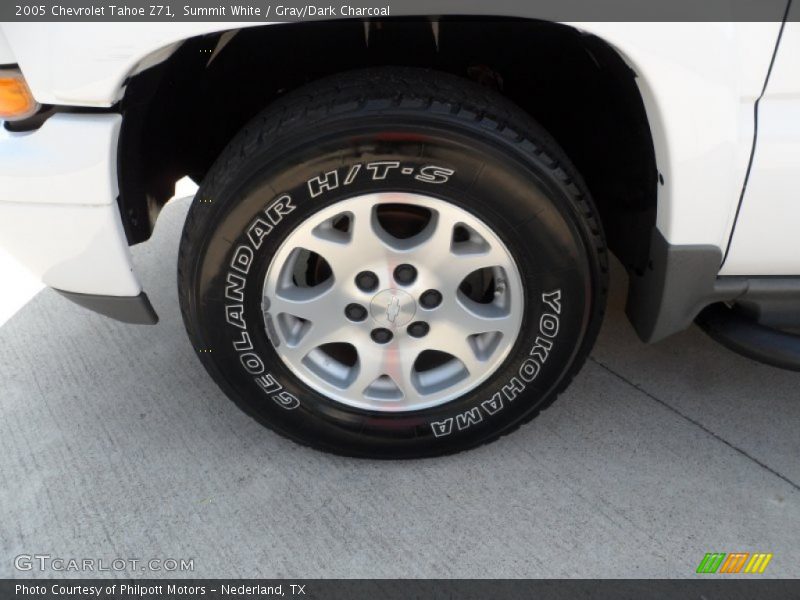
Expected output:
(115, 443)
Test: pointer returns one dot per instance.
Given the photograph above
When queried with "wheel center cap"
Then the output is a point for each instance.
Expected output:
(392, 308)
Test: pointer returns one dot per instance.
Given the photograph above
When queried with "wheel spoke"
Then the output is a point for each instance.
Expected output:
(459, 266)
(322, 316)
(450, 261)
(345, 251)
(471, 318)
(449, 338)
(371, 364)
(342, 256)
(439, 240)
(399, 364)
(309, 304)
(364, 232)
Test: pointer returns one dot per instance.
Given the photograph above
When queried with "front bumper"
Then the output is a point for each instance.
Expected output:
(58, 205)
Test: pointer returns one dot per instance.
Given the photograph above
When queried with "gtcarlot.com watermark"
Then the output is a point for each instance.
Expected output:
(59, 564)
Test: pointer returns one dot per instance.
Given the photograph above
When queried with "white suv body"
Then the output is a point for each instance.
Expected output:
(699, 82)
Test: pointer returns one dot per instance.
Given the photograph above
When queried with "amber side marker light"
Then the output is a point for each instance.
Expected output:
(16, 100)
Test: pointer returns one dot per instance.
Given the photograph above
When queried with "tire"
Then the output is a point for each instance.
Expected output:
(414, 151)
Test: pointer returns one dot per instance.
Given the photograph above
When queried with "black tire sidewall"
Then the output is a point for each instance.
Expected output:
(516, 193)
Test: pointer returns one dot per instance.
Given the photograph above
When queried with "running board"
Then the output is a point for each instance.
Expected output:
(745, 336)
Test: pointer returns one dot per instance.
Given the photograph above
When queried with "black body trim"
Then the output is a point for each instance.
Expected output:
(128, 309)
(681, 281)
(678, 283)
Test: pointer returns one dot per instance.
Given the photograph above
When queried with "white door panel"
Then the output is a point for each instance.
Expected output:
(766, 239)
(699, 83)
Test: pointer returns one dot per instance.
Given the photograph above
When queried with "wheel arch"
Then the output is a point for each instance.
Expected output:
(577, 85)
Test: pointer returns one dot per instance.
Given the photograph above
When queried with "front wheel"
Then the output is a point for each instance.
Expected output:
(392, 263)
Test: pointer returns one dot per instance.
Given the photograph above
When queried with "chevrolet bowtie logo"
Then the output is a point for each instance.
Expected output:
(393, 309)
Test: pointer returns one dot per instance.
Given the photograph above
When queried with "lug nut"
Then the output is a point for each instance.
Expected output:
(355, 312)
(381, 336)
(430, 299)
(367, 281)
(405, 274)
(418, 329)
